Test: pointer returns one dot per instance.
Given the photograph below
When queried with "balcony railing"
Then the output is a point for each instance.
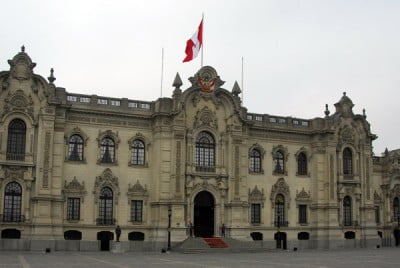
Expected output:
(105, 221)
(16, 157)
(350, 223)
(205, 169)
(12, 218)
(281, 223)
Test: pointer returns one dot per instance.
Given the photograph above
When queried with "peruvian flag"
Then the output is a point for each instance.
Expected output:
(193, 45)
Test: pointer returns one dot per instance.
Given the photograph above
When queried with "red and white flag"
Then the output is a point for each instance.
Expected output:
(193, 45)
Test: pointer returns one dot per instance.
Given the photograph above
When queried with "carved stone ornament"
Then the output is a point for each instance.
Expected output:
(107, 178)
(137, 190)
(257, 147)
(345, 106)
(303, 195)
(377, 198)
(12, 174)
(347, 135)
(395, 192)
(280, 187)
(207, 79)
(74, 188)
(21, 66)
(256, 195)
(17, 101)
(76, 131)
(108, 133)
(205, 118)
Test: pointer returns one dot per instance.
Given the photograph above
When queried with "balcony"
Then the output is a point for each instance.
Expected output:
(105, 221)
(16, 157)
(11, 218)
(349, 223)
(205, 169)
(281, 224)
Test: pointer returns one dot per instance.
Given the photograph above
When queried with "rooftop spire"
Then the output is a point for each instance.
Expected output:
(177, 81)
(51, 78)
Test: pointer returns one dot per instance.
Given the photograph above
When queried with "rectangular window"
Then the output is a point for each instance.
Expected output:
(73, 209)
(84, 99)
(249, 117)
(136, 210)
(302, 214)
(255, 213)
(145, 106)
(115, 102)
(304, 123)
(282, 121)
(258, 118)
(272, 120)
(71, 98)
(132, 104)
(295, 122)
(377, 215)
(102, 101)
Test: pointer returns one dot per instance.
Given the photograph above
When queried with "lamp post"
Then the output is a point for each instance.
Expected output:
(279, 232)
(169, 228)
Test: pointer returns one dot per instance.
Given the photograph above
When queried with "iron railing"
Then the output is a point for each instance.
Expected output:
(16, 157)
(11, 218)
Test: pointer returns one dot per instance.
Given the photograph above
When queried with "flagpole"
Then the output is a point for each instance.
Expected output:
(242, 84)
(162, 70)
(202, 45)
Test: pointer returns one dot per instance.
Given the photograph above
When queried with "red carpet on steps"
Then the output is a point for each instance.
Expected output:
(215, 242)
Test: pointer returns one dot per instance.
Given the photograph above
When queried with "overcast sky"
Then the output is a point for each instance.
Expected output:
(298, 55)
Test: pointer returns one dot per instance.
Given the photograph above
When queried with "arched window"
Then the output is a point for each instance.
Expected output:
(347, 162)
(255, 161)
(137, 157)
(396, 209)
(302, 164)
(106, 207)
(205, 151)
(16, 140)
(279, 162)
(347, 213)
(107, 150)
(75, 148)
(280, 211)
(12, 202)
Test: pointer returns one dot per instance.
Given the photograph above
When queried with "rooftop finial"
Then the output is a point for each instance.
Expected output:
(327, 112)
(364, 114)
(236, 89)
(23, 48)
(344, 93)
(51, 78)
(177, 81)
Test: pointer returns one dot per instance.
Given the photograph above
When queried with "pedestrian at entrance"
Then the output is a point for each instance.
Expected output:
(190, 229)
(118, 232)
(223, 230)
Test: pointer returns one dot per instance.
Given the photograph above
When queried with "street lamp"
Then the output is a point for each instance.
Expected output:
(169, 228)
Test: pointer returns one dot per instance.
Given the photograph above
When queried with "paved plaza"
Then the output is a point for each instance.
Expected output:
(365, 258)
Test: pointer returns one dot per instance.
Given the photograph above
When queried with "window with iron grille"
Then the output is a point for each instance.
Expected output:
(255, 213)
(396, 209)
(280, 210)
(107, 150)
(302, 164)
(16, 140)
(255, 161)
(12, 202)
(75, 148)
(302, 214)
(138, 152)
(377, 215)
(136, 210)
(106, 206)
(73, 209)
(347, 162)
(205, 150)
(347, 213)
(279, 162)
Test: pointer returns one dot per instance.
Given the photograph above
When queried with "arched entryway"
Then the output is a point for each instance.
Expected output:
(105, 237)
(204, 214)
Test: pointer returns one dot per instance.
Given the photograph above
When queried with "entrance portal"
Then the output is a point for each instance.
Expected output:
(204, 215)
(105, 238)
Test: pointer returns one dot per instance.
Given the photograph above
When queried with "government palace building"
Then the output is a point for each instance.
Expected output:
(73, 167)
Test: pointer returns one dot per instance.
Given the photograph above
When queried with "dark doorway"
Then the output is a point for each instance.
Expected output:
(204, 215)
(105, 237)
(11, 234)
(281, 241)
(136, 236)
(72, 235)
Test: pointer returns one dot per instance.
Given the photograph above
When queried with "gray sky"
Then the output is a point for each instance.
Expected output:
(298, 55)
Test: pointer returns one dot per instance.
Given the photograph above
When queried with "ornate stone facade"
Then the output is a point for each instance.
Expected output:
(85, 163)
